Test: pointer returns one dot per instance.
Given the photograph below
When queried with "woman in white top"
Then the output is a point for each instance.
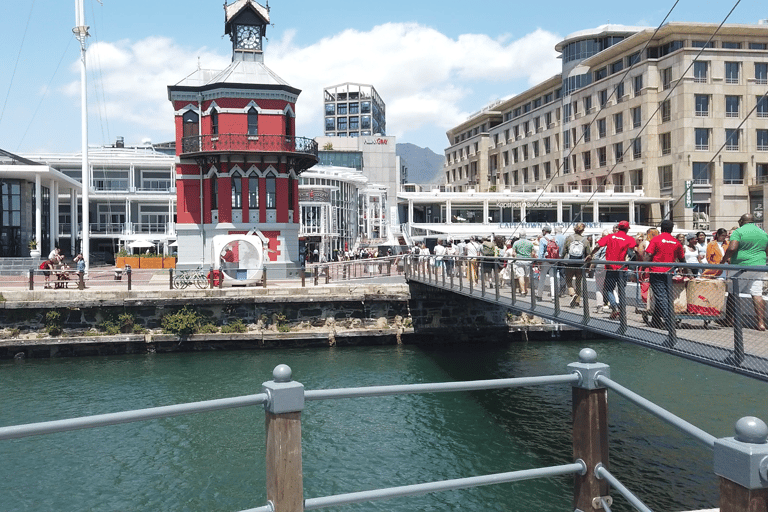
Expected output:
(692, 253)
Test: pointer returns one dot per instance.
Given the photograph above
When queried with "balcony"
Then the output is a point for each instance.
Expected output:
(303, 149)
(155, 186)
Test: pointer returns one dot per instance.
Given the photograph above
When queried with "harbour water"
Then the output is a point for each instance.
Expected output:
(215, 461)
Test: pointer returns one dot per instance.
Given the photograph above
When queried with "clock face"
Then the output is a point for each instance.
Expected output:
(248, 37)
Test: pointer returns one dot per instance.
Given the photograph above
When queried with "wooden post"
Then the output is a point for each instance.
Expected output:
(31, 279)
(128, 271)
(285, 487)
(170, 279)
(735, 498)
(81, 280)
(590, 429)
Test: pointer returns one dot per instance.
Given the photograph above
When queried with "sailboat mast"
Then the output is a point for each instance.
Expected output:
(81, 32)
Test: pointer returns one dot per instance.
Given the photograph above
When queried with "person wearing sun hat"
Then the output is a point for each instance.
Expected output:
(617, 244)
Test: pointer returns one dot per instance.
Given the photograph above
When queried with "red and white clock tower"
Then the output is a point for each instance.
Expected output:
(238, 155)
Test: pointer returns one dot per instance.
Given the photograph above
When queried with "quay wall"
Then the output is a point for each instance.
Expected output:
(280, 316)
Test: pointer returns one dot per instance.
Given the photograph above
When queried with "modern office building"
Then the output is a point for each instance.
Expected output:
(354, 110)
(239, 159)
(680, 115)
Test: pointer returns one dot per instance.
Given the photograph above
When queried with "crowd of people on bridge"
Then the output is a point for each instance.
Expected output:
(529, 260)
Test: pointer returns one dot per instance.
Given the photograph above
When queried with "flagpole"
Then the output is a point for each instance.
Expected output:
(81, 32)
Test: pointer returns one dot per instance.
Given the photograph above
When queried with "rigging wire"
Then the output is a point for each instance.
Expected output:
(18, 57)
(45, 93)
(98, 81)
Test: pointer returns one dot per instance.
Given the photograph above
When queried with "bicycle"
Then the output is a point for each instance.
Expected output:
(186, 278)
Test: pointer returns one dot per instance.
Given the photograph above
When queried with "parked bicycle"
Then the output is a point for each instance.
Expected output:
(186, 278)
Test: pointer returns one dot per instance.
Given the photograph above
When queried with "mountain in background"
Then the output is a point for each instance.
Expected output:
(424, 165)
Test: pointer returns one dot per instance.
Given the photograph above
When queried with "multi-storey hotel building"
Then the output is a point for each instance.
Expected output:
(354, 110)
(680, 115)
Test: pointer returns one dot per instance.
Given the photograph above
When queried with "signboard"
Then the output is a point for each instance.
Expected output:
(314, 195)
(528, 204)
(689, 194)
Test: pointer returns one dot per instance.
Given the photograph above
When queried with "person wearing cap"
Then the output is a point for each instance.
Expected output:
(523, 248)
(663, 248)
(617, 245)
(692, 253)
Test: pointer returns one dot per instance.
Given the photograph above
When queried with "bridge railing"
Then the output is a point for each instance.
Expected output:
(711, 313)
(364, 268)
(741, 462)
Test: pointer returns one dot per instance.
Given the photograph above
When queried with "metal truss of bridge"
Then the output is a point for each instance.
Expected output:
(709, 339)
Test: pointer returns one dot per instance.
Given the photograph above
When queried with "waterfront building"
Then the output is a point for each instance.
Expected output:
(679, 115)
(354, 110)
(132, 197)
(332, 200)
(239, 158)
(376, 159)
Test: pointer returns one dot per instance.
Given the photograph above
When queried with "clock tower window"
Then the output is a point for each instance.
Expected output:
(253, 121)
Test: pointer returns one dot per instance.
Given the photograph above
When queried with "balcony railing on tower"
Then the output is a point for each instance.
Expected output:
(237, 142)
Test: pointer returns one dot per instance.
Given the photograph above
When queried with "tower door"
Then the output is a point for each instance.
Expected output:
(191, 130)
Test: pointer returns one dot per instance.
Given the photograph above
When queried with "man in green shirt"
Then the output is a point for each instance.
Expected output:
(748, 247)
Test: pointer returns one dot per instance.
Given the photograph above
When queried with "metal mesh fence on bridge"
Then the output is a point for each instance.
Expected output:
(710, 313)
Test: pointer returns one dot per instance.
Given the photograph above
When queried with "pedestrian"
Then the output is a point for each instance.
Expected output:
(576, 248)
(663, 248)
(439, 256)
(692, 254)
(715, 252)
(523, 248)
(748, 247)
(548, 250)
(617, 245)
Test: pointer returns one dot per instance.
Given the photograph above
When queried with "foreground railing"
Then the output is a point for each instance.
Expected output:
(741, 462)
(365, 268)
(696, 317)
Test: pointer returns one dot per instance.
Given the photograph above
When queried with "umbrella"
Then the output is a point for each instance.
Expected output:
(174, 244)
(141, 244)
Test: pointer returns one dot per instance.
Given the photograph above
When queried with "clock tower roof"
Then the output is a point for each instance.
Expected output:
(244, 12)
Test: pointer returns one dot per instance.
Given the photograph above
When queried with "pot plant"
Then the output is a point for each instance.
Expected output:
(34, 252)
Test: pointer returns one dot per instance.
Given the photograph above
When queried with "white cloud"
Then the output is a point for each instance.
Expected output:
(427, 79)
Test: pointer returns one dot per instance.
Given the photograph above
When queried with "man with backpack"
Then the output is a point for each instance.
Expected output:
(576, 248)
(549, 250)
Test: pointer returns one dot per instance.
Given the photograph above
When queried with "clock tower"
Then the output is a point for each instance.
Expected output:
(246, 23)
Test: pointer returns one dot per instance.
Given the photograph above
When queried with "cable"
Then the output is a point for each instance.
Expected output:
(18, 57)
(48, 88)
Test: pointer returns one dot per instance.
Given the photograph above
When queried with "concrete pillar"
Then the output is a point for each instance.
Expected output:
(38, 212)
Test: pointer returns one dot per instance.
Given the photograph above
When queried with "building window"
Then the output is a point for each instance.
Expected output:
(270, 183)
(566, 139)
(638, 80)
(732, 106)
(237, 192)
(330, 109)
(536, 123)
(619, 92)
(603, 97)
(365, 107)
(585, 129)
(758, 46)
(732, 72)
(341, 124)
(354, 123)
(702, 139)
(253, 121)
(701, 175)
(762, 174)
(731, 140)
(214, 122)
(761, 73)
(665, 176)
(700, 69)
(566, 166)
(535, 147)
(354, 108)
(214, 192)
(330, 124)
(587, 104)
(762, 140)
(288, 131)
(702, 44)
(587, 160)
(637, 148)
(637, 117)
(365, 123)
(601, 128)
(666, 111)
(601, 157)
(618, 152)
(253, 193)
(618, 122)
(547, 170)
(547, 148)
(665, 142)
(733, 174)
(525, 152)
(702, 105)
(341, 109)
(730, 45)
(762, 106)
(666, 78)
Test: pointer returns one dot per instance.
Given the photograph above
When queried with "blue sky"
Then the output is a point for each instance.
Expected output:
(434, 63)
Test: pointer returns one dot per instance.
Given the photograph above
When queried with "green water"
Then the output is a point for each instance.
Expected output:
(215, 461)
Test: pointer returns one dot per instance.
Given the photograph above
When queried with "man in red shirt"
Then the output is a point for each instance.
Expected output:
(663, 248)
(616, 244)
